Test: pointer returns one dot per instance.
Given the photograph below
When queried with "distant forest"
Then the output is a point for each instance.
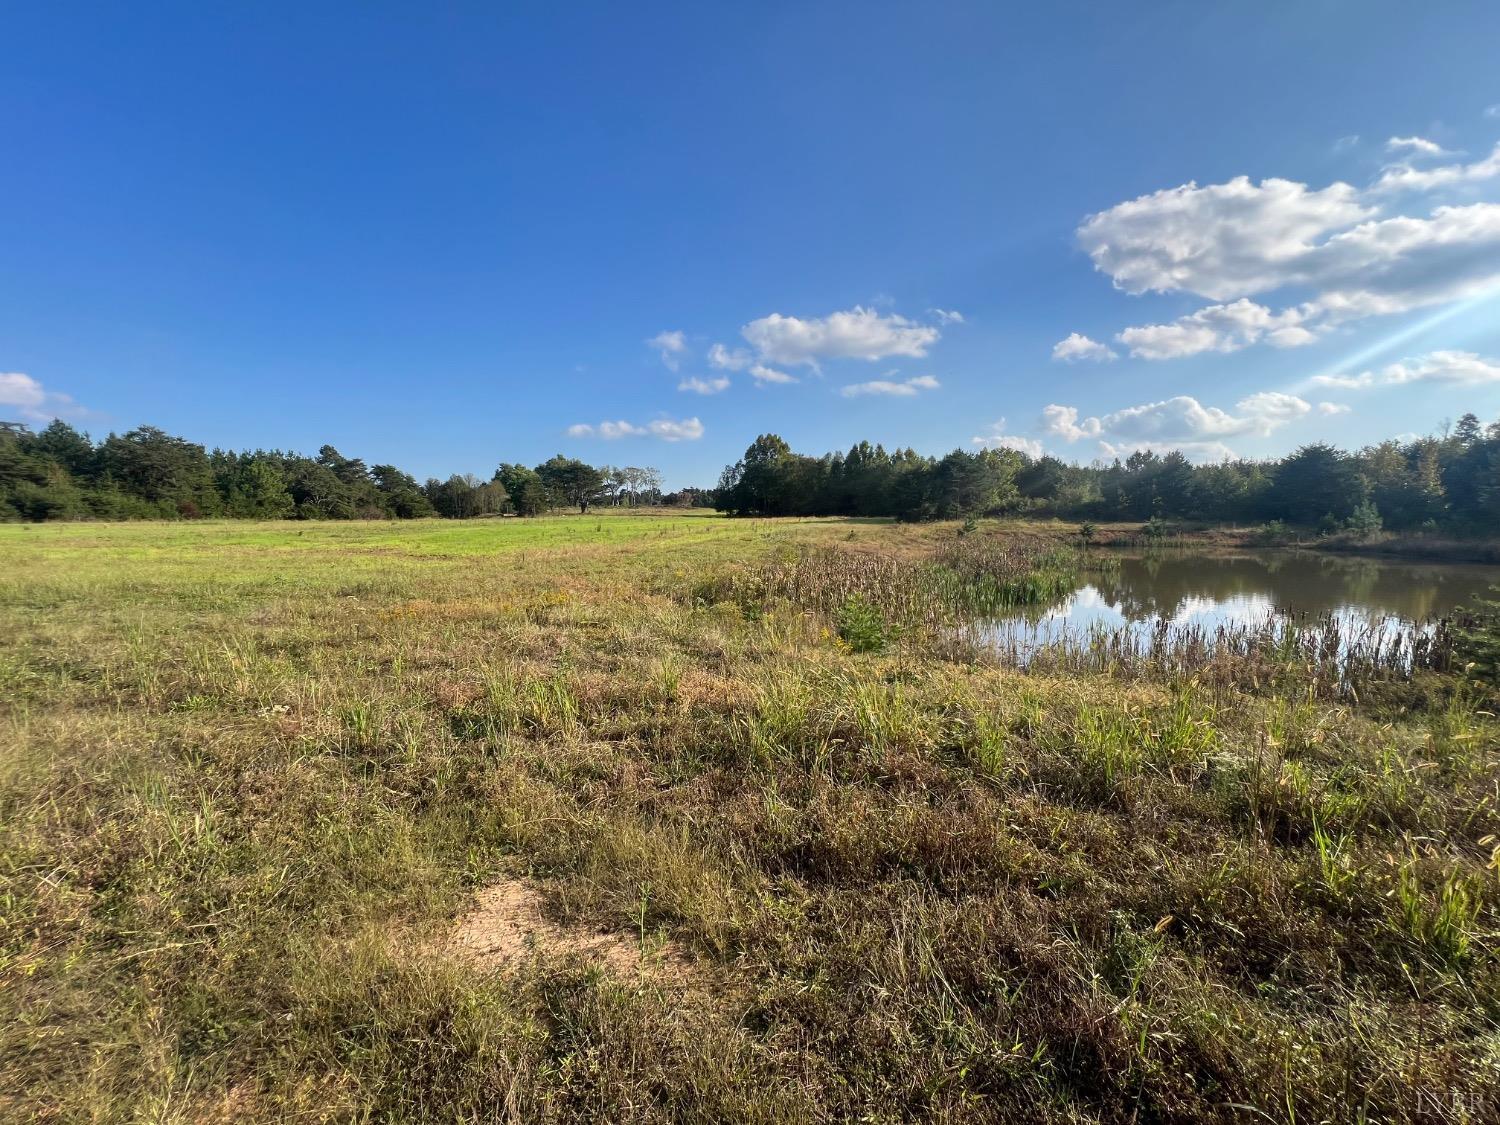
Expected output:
(59, 473)
(1449, 482)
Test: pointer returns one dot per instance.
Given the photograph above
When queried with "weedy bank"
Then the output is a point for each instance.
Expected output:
(262, 786)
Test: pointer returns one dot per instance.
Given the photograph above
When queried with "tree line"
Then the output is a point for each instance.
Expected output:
(60, 473)
(1450, 481)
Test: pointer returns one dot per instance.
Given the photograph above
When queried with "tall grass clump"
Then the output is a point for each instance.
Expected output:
(968, 576)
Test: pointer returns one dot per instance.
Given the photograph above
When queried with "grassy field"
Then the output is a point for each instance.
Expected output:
(608, 819)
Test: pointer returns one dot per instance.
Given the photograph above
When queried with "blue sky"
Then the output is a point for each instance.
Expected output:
(446, 235)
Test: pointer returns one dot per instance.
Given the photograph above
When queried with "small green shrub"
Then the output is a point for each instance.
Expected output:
(1365, 520)
(1478, 639)
(1274, 532)
(861, 625)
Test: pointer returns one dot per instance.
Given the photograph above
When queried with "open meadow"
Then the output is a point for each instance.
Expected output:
(672, 817)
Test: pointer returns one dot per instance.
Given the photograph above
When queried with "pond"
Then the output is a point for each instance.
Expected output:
(1172, 596)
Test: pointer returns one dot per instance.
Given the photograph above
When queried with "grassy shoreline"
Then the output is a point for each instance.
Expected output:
(255, 776)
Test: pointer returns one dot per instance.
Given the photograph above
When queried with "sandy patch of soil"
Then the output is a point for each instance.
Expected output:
(506, 925)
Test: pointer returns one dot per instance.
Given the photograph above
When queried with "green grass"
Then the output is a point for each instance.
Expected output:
(252, 774)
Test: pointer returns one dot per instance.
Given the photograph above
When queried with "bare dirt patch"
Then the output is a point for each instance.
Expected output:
(506, 926)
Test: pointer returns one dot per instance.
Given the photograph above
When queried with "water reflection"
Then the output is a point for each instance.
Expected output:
(1221, 587)
(1202, 592)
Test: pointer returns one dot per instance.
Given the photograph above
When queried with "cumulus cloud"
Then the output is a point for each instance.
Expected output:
(1461, 368)
(1181, 422)
(1403, 177)
(1331, 408)
(1229, 242)
(1217, 328)
(729, 360)
(31, 402)
(997, 438)
(1192, 450)
(1416, 146)
(1077, 347)
(671, 346)
(688, 429)
(858, 333)
(763, 375)
(947, 316)
(1221, 241)
(1267, 410)
(21, 390)
(1402, 263)
(906, 388)
(1063, 421)
(704, 386)
(667, 429)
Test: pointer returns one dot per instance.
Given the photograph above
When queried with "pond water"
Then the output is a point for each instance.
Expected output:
(1176, 593)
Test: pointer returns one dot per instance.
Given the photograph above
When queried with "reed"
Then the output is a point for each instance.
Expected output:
(967, 577)
(1326, 656)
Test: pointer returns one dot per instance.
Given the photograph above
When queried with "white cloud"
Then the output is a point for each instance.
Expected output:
(1180, 417)
(21, 390)
(1192, 450)
(1344, 144)
(1493, 111)
(1402, 263)
(1181, 422)
(612, 430)
(997, 438)
(1221, 241)
(1230, 241)
(906, 388)
(1328, 409)
(34, 403)
(1416, 147)
(1063, 421)
(704, 386)
(688, 429)
(1377, 268)
(947, 316)
(1461, 368)
(1403, 177)
(1267, 410)
(1217, 328)
(763, 375)
(858, 333)
(1079, 347)
(726, 360)
(671, 345)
